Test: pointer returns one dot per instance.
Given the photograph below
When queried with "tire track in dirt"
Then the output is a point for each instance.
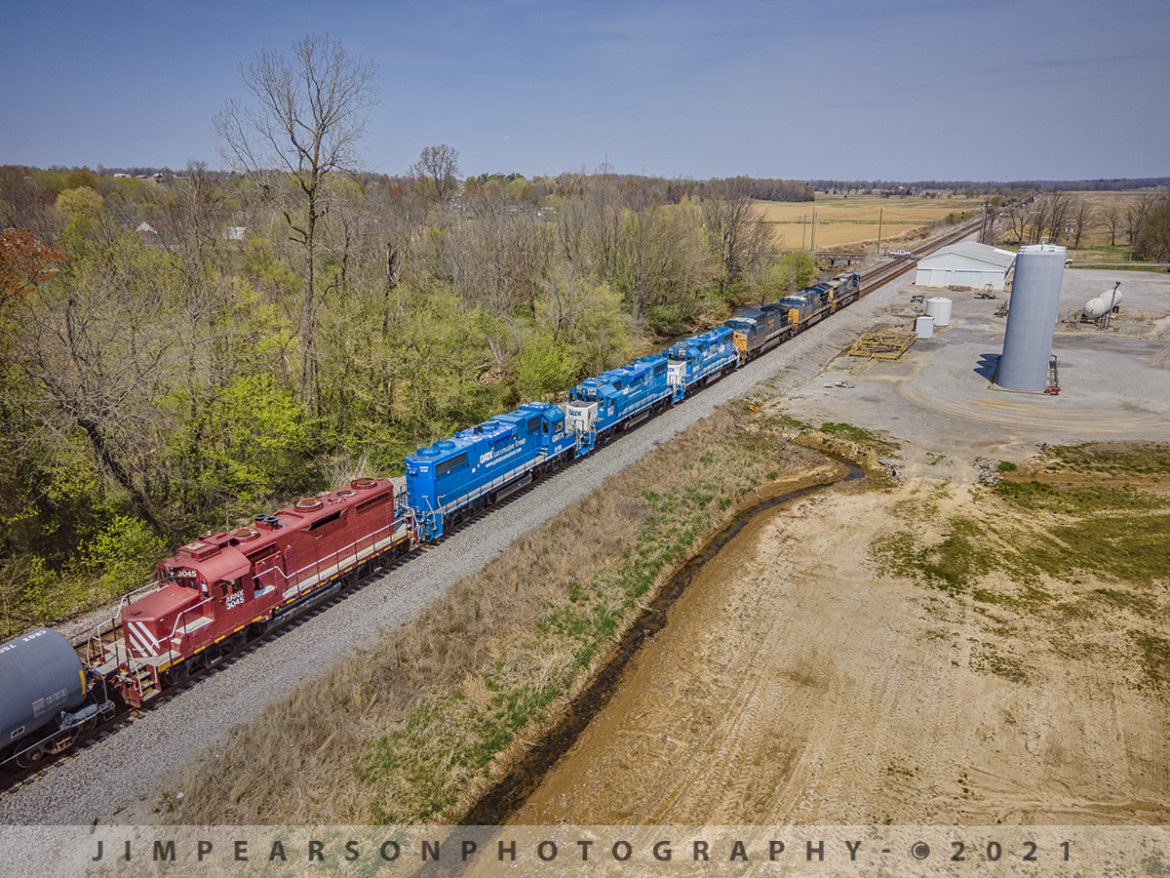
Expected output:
(794, 684)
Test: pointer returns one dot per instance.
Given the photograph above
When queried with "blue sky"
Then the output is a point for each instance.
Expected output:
(895, 89)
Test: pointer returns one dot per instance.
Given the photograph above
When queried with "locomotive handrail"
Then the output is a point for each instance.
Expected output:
(175, 627)
(289, 577)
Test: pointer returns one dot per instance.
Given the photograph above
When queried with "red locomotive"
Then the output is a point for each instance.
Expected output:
(223, 587)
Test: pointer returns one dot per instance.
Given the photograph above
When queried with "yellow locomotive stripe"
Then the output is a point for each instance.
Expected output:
(81, 674)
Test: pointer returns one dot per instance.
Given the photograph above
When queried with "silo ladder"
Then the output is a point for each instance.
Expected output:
(1053, 386)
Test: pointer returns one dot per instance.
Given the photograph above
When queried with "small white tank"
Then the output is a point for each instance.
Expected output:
(939, 307)
(924, 326)
(1099, 306)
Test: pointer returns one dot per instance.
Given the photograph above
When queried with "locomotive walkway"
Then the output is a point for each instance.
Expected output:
(143, 759)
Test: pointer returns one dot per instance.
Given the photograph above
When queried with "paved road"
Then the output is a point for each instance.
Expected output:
(140, 760)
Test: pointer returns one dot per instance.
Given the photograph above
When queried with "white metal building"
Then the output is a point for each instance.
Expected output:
(966, 264)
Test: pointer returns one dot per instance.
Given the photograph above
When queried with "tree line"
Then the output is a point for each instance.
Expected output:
(176, 355)
(1058, 217)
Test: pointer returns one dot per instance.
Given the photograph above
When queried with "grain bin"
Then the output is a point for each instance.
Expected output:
(40, 676)
(939, 307)
(1031, 321)
(924, 326)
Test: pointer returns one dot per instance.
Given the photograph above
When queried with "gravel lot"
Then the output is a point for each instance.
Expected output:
(108, 781)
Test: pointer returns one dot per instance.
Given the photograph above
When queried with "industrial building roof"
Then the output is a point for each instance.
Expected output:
(1002, 259)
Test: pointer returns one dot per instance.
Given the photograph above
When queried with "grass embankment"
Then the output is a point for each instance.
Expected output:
(1081, 540)
(416, 728)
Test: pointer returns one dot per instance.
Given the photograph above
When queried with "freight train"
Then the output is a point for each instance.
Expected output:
(225, 588)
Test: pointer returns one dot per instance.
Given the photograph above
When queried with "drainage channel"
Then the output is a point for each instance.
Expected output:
(506, 796)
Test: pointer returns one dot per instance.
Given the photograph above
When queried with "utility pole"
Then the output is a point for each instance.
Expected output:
(881, 210)
(813, 235)
(803, 229)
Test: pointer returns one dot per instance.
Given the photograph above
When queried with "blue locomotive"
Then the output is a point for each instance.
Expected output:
(455, 477)
(701, 359)
(50, 696)
(617, 399)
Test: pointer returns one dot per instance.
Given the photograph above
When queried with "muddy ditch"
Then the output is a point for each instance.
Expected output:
(508, 794)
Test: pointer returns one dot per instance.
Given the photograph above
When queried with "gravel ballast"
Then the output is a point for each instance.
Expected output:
(139, 761)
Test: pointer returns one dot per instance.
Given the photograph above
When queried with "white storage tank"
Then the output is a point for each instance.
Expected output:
(1101, 305)
(1031, 319)
(924, 326)
(939, 307)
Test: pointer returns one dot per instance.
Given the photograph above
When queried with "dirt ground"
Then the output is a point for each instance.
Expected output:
(794, 686)
(796, 682)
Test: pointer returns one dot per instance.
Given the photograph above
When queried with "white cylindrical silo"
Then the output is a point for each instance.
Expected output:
(924, 326)
(939, 307)
(1031, 321)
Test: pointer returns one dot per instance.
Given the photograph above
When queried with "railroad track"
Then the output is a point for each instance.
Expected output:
(870, 281)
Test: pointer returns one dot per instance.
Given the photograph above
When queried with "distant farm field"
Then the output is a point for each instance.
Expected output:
(843, 221)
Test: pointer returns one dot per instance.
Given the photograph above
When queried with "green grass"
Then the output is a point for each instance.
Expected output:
(1039, 496)
(1141, 459)
(440, 735)
(951, 565)
(859, 435)
(1123, 266)
(1108, 533)
(787, 420)
(989, 659)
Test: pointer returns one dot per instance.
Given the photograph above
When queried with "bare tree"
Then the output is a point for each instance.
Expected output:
(1017, 214)
(736, 233)
(1083, 216)
(437, 169)
(306, 124)
(1112, 218)
(1059, 206)
(1136, 215)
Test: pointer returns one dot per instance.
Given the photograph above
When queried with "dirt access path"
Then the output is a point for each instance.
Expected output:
(794, 685)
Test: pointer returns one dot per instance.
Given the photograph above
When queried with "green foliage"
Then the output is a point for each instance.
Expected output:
(82, 200)
(164, 376)
(543, 368)
(255, 441)
(793, 271)
(122, 553)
